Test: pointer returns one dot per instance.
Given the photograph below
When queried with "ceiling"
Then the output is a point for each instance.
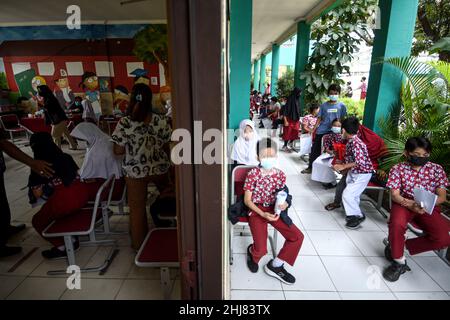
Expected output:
(275, 21)
(46, 12)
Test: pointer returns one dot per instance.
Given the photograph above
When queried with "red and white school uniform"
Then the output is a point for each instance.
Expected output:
(403, 177)
(263, 188)
(358, 177)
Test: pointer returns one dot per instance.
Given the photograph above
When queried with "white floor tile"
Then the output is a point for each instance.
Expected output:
(320, 220)
(256, 295)
(369, 243)
(94, 289)
(8, 285)
(367, 225)
(302, 204)
(422, 296)
(354, 274)
(242, 278)
(436, 269)
(310, 275)
(311, 295)
(140, 290)
(415, 280)
(333, 243)
(39, 289)
(367, 296)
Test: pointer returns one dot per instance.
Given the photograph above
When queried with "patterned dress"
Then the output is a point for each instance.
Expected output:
(264, 186)
(144, 154)
(356, 152)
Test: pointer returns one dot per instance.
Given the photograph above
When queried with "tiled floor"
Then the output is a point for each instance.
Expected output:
(29, 280)
(335, 262)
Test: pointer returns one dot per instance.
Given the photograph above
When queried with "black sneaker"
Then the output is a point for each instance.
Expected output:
(280, 273)
(13, 230)
(353, 222)
(394, 271)
(6, 251)
(251, 264)
(56, 254)
(329, 185)
(307, 171)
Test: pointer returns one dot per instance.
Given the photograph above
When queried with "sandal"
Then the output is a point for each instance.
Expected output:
(332, 206)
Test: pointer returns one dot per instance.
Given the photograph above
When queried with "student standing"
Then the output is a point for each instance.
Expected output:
(359, 170)
(363, 88)
(330, 110)
(416, 172)
(291, 117)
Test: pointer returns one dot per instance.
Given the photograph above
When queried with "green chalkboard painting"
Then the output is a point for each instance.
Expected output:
(23, 80)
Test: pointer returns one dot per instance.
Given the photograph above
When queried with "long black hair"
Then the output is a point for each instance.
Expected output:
(50, 101)
(140, 102)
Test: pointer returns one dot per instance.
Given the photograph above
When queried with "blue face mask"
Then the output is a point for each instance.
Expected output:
(336, 129)
(333, 97)
(268, 163)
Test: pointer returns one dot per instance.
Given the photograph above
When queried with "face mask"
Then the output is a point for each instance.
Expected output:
(268, 163)
(248, 136)
(418, 161)
(333, 97)
(336, 129)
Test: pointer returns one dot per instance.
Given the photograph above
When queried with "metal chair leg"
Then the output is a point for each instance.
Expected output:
(166, 283)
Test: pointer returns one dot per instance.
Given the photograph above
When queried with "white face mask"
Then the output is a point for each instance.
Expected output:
(268, 163)
(336, 129)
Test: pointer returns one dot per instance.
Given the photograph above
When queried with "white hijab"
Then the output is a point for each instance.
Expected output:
(100, 160)
(244, 152)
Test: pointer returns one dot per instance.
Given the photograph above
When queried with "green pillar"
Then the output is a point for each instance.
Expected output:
(301, 56)
(392, 39)
(262, 75)
(240, 60)
(256, 72)
(275, 67)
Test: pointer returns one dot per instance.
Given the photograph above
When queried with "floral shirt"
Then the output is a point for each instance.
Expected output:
(331, 138)
(309, 121)
(144, 154)
(430, 177)
(356, 151)
(264, 187)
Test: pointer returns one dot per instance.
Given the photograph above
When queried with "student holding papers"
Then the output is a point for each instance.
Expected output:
(413, 184)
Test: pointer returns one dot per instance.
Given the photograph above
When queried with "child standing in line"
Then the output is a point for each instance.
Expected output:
(359, 170)
(261, 187)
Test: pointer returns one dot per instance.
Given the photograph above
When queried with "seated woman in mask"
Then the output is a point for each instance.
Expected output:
(244, 149)
(61, 195)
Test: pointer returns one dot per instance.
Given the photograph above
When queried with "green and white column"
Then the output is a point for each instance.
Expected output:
(262, 74)
(275, 68)
(301, 57)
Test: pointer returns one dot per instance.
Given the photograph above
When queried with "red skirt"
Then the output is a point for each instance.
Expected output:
(292, 130)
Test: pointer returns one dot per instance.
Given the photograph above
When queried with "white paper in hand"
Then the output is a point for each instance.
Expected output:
(426, 199)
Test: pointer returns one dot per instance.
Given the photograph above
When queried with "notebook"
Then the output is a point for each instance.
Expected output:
(426, 199)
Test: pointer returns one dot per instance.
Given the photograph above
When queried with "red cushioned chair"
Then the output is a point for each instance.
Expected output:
(237, 184)
(82, 223)
(10, 123)
(160, 250)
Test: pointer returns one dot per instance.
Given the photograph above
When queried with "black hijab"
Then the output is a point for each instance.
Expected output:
(63, 164)
(291, 109)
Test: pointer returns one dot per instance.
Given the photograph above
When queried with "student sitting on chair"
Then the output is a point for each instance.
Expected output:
(322, 170)
(244, 149)
(261, 187)
(416, 172)
(359, 171)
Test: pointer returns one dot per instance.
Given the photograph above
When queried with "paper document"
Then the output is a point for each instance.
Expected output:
(426, 199)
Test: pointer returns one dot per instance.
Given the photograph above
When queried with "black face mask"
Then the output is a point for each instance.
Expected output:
(418, 161)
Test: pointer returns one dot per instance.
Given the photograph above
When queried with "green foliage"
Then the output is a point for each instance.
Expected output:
(354, 107)
(285, 84)
(338, 35)
(422, 110)
(3, 81)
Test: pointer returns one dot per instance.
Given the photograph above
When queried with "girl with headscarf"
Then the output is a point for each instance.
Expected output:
(291, 115)
(63, 194)
(244, 149)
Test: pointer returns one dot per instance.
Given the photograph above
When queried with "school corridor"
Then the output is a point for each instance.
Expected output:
(334, 262)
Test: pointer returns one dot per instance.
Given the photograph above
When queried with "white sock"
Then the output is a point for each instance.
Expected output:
(276, 263)
(62, 248)
(402, 260)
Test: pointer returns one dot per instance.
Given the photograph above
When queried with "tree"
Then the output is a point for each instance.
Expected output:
(433, 24)
(338, 35)
(285, 84)
(3, 81)
(151, 45)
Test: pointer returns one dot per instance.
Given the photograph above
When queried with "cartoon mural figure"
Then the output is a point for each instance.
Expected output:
(35, 82)
(62, 90)
(121, 100)
(89, 82)
(140, 76)
(165, 98)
